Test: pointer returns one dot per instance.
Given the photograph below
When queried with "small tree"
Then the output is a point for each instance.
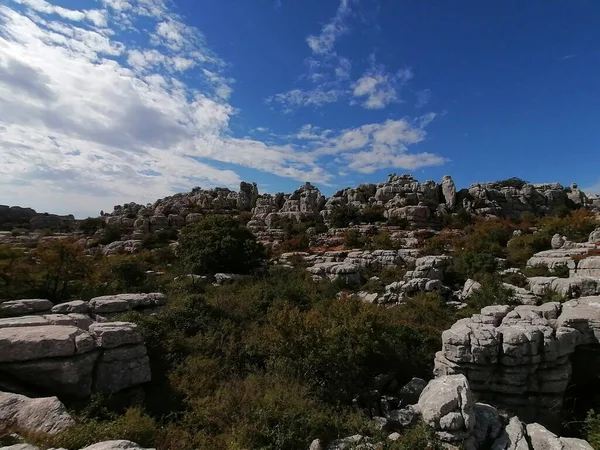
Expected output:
(90, 225)
(60, 264)
(219, 244)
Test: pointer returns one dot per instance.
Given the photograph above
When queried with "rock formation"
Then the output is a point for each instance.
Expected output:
(71, 349)
(400, 198)
(27, 218)
(521, 358)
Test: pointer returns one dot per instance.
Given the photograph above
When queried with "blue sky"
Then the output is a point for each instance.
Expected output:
(108, 101)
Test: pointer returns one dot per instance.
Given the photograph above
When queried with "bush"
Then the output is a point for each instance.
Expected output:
(577, 226)
(418, 437)
(592, 429)
(134, 425)
(521, 248)
(372, 214)
(383, 240)
(90, 225)
(342, 215)
(110, 234)
(492, 292)
(353, 239)
(513, 182)
(470, 265)
(219, 244)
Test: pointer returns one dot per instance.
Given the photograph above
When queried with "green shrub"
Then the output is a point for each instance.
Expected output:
(521, 248)
(382, 240)
(492, 292)
(513, 182)
(470, 265)
(353, 239)
(577, 226)
(372, 214)
(90, 225)
(592, 429)
(134, 425)
(418, 437)
(342, 215)
(110, 234)
(219, 244)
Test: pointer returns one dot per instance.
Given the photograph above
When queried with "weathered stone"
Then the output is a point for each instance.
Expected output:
(76, 306)
(68, 376)
(122, 367)
(46, 415)
(115, 334)
(410, 392)
(27, 343)
(115, 445)
(24, 307)
(446, 404)
(514, 437)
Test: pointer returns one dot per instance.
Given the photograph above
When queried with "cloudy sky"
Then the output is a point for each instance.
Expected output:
(109, 101)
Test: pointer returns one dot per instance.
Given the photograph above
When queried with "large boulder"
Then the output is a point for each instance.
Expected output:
(46, 415)
(447, 405)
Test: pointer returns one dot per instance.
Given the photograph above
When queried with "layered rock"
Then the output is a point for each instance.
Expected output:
(519, 358)
(70, 355)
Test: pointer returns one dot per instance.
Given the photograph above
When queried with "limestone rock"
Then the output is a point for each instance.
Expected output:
(449, 191)
(122, 367)
(447, 405)
(514, 437)
(595, 236)
(410, 392)
(115, 445)
(24, 307)
(115, 334)
(76, 306)
(65, 376)
(46, 415)
(27, 343)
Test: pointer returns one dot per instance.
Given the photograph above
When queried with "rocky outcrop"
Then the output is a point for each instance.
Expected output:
(519, 358)
(447, 404)
(27, 218)
(69, 355)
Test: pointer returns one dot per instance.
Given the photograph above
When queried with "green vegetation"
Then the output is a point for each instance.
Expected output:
(219, 244)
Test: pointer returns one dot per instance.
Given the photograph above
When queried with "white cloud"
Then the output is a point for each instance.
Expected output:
(375, 146)
(297, 97)
(87, 121)
(380, 88)
(323, 43)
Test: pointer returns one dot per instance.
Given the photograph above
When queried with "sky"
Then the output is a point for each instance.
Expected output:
(104, 102)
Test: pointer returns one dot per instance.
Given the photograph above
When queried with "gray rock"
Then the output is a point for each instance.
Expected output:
(115, 334)
(410, 392)
(46, 415)
(115, 445)
(449, 191)
(446, 404)
(27, 343)
(68, 376)
(23, 321)
(514, 437)
(24, 307)
(122, 367)
(595, 236)
(76, 306)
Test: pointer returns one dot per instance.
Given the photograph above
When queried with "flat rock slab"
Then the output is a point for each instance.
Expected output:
(115, 334)
(115, 445)
(24, 307)
(76, 306)
(47, 415)
(125, 302)
(23, 321)
(48, 341)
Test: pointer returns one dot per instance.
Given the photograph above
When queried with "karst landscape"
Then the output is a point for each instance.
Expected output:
(399, 315)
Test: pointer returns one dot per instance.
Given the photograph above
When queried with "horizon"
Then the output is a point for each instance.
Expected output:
(105, 102)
